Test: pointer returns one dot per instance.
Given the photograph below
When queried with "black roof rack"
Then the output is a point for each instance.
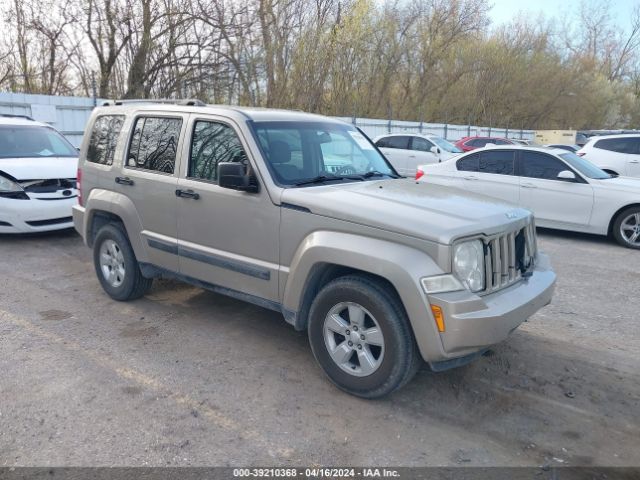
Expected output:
(193, 102)
(12, 115)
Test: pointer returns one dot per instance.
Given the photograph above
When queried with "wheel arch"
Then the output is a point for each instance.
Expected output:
(324, 256)
(98, 219)
(618, 212)
(116, 208)
(323, 273)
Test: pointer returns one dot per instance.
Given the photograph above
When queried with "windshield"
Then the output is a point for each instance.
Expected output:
(446, 146)
(17, 141)
(304, 153)
(585, 167)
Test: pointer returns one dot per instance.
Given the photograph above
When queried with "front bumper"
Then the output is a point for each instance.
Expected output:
(473, 323)
(35, 215)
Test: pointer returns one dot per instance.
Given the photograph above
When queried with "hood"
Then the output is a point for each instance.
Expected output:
(39, 168)
(626, 184)
(423, 210)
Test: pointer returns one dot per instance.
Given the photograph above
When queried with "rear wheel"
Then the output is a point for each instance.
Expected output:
(361, 337)
(116, 265)
(626, 228)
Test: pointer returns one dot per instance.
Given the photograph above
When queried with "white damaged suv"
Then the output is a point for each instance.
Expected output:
(37, 176)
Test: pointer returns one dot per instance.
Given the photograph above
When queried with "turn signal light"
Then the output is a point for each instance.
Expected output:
(438, 316)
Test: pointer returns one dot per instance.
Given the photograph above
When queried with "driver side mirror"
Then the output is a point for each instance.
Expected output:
(435, 150)
(567, 175)
(232, 175)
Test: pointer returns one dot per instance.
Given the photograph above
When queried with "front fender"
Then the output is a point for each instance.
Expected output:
(401, 265)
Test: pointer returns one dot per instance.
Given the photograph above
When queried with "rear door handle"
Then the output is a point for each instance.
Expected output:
(634, 161)
(187, 194)
(124, 181)
(470, 177)
(528, 185)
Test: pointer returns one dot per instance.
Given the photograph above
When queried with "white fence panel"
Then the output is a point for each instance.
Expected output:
(70, 114)
(67, 114)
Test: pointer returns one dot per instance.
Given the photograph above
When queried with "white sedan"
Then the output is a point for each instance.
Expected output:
(563, 190)
(405, 151)
(37, 177)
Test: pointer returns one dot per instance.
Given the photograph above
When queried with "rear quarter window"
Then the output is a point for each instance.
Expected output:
(104, 138)
(620, 145)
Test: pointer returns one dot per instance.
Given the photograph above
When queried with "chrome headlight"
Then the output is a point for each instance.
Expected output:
(468, 264)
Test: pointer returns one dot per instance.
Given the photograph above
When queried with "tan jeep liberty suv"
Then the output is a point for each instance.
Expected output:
(301, 214)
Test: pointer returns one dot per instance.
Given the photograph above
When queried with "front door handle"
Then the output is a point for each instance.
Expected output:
(187, 194)
(634, 161)
(124, 181)
(470, 177)
(528, 185)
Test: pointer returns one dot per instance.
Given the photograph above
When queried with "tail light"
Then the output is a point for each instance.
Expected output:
(419, 173)
(79, 186)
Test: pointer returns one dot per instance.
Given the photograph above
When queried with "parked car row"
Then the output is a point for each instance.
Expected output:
(306, 216)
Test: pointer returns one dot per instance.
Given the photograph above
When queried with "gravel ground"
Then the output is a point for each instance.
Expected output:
(187, 377)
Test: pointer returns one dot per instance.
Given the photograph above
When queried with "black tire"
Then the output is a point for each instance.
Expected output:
(134, 284)
(401, 359)
(617, 234)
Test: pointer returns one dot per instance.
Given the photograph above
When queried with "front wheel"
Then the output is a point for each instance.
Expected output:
(361, 337)
(116, 265)
(626, 228)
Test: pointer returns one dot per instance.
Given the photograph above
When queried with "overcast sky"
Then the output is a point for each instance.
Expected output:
(504, 10)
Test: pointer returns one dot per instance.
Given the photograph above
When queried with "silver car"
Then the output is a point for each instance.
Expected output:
(300, 214)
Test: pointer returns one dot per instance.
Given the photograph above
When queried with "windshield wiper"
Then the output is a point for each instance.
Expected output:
(375, 173)
(318, 179)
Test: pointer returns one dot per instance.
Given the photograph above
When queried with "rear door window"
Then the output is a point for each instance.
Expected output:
(398, 142)
(104, 138)
(468, 164)
(154, 144)
(499, 162)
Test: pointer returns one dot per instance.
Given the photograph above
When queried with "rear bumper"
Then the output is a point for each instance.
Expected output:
(35, 215)
(78, 220)
(474, 323)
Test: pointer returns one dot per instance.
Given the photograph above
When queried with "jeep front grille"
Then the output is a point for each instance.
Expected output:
(509, 257)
